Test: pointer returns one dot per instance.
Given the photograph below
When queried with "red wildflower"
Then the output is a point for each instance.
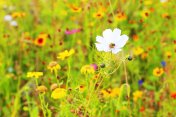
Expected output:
(142, 109)
(173, 95)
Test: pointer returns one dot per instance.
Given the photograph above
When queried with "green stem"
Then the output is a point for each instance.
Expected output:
(41, 100)
(111, 9)
(17, 97)
(68, 73)
(28, 101)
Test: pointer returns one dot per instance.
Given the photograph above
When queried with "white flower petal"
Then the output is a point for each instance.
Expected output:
(116, 32)
(121, 41)
(107, 49)
(100, 47)
(116, 50)
(107, 33)
(100, 39)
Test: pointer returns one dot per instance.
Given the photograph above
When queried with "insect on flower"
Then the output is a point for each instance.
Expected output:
(111, 41)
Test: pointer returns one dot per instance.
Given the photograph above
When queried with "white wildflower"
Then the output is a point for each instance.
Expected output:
(8, 18)
(14, 23)
(112, 41)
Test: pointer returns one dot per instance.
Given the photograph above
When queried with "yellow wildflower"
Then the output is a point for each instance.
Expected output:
(96, 76)
(58, 93)
(65, 54)
(34, 74)
(41, 39)
(115, 92)
(137, 95)
(166, 15)
(41, 89)
(120, 16)
(98, 14)
(111, 92)
(168, 54)
(18, 14)
(75, 8)
(158, 71)
(87, 69)
(145, 13)
(138, 51)
(81, 88)
(54, 66)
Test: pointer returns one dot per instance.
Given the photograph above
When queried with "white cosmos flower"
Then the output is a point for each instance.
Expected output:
(112, 41)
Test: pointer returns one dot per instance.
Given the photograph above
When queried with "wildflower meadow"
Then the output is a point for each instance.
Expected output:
(87, 58)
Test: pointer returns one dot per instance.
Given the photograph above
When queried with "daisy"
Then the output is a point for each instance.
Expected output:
(111, 41)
